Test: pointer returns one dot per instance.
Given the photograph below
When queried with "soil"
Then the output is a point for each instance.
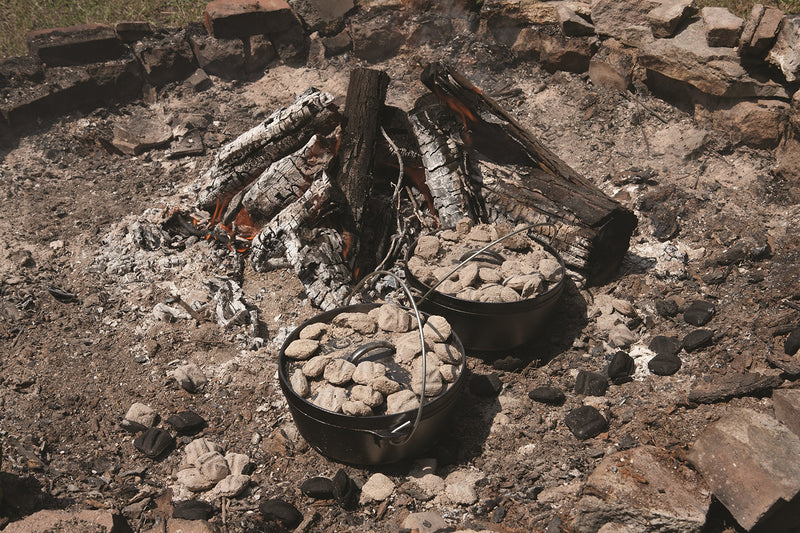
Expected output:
(71, 367)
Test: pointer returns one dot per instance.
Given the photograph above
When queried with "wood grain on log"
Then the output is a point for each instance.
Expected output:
(554, 190)
(283, 132)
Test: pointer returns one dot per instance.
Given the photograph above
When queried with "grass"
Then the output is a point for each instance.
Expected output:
(18, 17)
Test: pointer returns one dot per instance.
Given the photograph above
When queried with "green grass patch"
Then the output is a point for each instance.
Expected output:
(18, 17)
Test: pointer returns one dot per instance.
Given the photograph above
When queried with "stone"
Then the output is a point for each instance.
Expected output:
(219, 57)
(792, 343)
(758, 124)
(686, 63)
(85, 520)
(154, 443)
(427, 247)
(425, 522)
(400, 401)
(231, 486)
(553, 52)
(178, 525)
(590, 383)
(733, 386)
(547, 395)
(317, 14)
(360, 322)
(199, 447)
(314, 367)
(212, 466)
(319, 488)
(331, 398)
(460, 486)
(339, 371)
(664, 364)
(624, 20)
(506, 364)
(225, 19)
(785, 54)
(302, 349)
(137, 134)
(141, 414)
(129, 31)
(356, 408)
(788, 159)
(664, 19)
(186, 422)
(722, 27)
(786, 403)
(750, 463)
(190, 144)
(485, 386)
(166, 57)
(376, 39)
(192, 510)
(585, 422)
(436, 329)
(259, 52)
(189, 377)
(769, 25)
(377, 488)
(621, 337)
(238, 463)
(612, 66)
(291, 45)
(194, 480)
(621, 368)
(393, 318)
(572, 24)
(699, 313)
(699, 338)
(639, 488)
(75, 45)
(282, 512)
(337, 44)
(367, 371)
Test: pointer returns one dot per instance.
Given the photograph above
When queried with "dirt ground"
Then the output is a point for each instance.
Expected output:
(71, 369)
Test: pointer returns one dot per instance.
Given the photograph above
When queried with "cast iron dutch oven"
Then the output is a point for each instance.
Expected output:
(490, 326)
(369, 440)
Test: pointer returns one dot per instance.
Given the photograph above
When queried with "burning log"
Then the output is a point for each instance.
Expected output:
(282, 133)
(526, 182)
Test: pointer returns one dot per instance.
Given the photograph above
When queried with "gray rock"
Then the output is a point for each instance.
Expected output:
(750, 463)
(219, 57)
(722, 27)
(141, 414)
(572, 24)
(620, 336)
(460, 486)
(786, 53)
(644, 489)
(665, 18)
(786, 403)
(377, 488)
(189, 377)
(375, 39)
(301, 349)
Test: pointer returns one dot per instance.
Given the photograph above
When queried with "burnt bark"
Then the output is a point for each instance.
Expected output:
(594, 229)
(366, 93)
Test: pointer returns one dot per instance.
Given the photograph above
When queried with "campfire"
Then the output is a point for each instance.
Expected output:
(338, 194)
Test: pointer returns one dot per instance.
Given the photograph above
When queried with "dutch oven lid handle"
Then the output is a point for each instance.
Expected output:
(395, 435)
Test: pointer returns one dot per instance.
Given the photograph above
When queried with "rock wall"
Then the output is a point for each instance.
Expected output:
(738, 76)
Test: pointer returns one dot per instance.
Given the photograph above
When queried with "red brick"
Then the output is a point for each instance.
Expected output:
(225, 19)
(75, 45)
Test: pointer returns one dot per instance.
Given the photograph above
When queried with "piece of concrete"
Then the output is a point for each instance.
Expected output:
(646, 489)
(786, 53)
(242, 18)
(749, 460)
(665, 18)
(722, 27)
(75, 45)
(786, 403)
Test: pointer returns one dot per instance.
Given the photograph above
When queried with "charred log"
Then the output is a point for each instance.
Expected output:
(600, 227)
(250, 154)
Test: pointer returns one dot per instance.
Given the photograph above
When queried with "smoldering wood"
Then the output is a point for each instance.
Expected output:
(366, 92)
(601, 227)
(246, 157)
(444, 160)
(288, 178)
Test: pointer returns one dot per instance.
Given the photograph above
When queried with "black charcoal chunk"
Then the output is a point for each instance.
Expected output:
(586, 422)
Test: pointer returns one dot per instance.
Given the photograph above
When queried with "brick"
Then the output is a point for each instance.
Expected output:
(75, 45)
(241, 18)
(786, 403)
(749, 460)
